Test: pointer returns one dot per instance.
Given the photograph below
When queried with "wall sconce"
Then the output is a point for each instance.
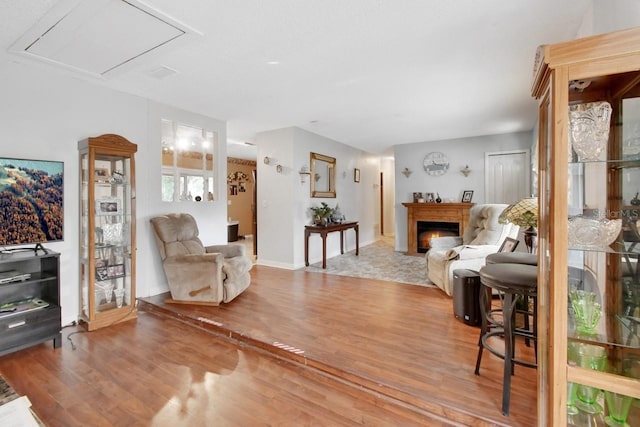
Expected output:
(267, 160)
(304, 173)
(407, 172)
(465, 171)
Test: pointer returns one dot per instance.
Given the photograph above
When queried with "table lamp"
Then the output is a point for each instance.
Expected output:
(524, 214)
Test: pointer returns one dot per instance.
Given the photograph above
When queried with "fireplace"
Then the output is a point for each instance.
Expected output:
(448, 213)
(429, 229)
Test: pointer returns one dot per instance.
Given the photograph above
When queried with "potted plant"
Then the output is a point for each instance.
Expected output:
(321, 214)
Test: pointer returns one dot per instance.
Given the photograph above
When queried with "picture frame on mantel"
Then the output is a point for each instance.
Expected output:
(467, 195)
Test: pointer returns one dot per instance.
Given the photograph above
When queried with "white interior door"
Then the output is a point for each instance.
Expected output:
(507, 176)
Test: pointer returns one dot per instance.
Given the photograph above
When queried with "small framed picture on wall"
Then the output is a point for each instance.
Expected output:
(356, 175)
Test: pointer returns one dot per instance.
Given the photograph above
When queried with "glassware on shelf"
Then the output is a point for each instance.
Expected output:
(119, 293)
(586, 309)
(593, 233)
(106, 289)
(584, 419)
(589, 124)
(572, 389)
(618, 406)
(589, 357)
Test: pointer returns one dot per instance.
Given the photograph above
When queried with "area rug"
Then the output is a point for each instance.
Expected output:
(379, 261)
(7, 393)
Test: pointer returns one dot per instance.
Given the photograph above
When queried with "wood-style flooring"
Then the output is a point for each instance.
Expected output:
(295, 349)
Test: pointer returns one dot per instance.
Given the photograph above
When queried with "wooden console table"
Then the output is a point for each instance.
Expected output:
(323, 231)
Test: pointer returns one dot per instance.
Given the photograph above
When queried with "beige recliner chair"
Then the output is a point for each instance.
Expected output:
(482, 236)
(197, 274)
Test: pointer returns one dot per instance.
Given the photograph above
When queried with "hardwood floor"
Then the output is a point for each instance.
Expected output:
(296, 348)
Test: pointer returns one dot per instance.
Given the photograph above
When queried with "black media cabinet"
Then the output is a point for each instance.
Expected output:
(30, 302)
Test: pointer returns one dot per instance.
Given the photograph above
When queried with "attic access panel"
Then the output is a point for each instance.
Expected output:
(98, 37)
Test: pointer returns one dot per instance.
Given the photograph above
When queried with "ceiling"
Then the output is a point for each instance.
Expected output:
(367, 73)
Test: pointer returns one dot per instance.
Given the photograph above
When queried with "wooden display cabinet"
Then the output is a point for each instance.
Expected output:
(568, 75)
(107, 231)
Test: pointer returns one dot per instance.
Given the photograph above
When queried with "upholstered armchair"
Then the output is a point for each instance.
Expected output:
(482, 236)
(195, 273)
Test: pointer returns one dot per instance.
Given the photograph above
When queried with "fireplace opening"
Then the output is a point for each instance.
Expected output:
(429, 229)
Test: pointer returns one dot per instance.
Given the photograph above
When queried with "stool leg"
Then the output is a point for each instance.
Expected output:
(484, 292)
(535, 327)
(508, 323)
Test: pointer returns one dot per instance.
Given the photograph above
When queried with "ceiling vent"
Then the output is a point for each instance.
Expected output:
(101, 37)
(162, 72)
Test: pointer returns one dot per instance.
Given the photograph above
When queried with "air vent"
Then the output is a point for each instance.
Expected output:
(162, 72)
(100, 37)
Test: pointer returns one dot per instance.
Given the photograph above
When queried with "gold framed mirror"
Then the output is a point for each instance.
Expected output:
(323, 175)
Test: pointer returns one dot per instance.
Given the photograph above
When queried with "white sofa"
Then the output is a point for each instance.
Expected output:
(482, 236)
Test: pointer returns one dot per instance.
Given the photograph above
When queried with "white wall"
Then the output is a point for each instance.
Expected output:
(387, 167)
(45, 114)
(604, 16)
(284, 202)
(461, 152)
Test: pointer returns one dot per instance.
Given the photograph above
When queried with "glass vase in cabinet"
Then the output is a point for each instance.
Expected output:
(588, 176)
(107, 231)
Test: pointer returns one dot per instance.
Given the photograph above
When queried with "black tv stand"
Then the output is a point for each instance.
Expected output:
(23, 328)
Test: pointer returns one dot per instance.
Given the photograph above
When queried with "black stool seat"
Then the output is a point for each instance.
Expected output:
(519, 279)
(512, 258)
(512, 281)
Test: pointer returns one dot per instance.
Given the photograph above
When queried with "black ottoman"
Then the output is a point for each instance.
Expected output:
(466, 296)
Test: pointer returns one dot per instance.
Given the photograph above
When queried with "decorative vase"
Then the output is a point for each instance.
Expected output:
(438, 199)
(320, 220)
(336, 216)
(589, 129)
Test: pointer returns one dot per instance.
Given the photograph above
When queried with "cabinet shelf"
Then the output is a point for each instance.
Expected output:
(611, 164)
(625, 327)
(26, 327)
(36, 277)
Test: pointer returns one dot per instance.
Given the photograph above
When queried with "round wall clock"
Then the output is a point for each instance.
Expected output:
(436, 163)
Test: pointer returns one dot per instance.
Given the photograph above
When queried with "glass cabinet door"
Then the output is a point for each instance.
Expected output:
(107, 234)
(603, 299)
(589, 247)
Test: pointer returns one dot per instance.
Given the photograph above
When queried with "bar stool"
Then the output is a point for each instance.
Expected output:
(515, 258)
(512, 280)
